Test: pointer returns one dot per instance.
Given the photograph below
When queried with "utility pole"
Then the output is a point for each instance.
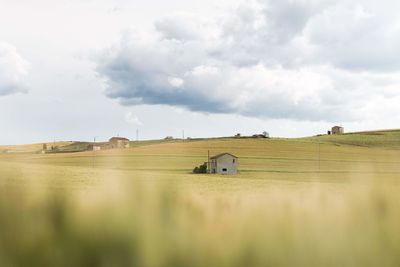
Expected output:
(208, 160)
(183, 135)
(137, 134)
(93, 152)
(319, 157)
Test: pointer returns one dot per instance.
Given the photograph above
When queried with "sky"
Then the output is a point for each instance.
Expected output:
(84, 69)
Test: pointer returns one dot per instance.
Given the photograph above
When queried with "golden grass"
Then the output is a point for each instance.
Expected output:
(142, 207)
(31, 148)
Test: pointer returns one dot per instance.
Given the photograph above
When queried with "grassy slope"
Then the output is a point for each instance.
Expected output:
(69, 146)
(382, 139)
(32, 148)
(326, 158)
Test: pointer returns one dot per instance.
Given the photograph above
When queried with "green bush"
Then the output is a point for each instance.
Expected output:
(201, 169)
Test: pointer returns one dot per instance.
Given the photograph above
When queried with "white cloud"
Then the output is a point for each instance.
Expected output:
(13, 69)
(302, 60)
(176, 82)
(132, 119)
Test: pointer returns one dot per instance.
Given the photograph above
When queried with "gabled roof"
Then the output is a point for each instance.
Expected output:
(222, 154)
(119, 138)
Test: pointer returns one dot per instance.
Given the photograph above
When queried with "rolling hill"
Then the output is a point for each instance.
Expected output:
(381, 138)
(315, 201)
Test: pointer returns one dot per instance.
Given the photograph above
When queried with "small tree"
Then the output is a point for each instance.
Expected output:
(201, 169)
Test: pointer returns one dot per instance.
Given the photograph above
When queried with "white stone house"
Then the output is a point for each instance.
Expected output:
(337, 130)
(224, 163)
(119, 142)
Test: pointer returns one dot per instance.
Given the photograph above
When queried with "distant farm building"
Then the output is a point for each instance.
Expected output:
(119, 142)
(224, 163)
(94, 147)
(336, 130)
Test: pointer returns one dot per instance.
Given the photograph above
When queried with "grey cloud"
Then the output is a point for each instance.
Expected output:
(286, 19)
(288, 59)
(347, 34)
(181, 28)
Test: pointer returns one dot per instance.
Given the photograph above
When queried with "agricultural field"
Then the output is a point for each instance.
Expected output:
(316, 201)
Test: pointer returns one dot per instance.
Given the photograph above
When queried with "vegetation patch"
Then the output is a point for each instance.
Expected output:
(201, 169)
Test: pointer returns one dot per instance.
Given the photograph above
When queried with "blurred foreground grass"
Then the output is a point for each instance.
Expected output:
(148, 225)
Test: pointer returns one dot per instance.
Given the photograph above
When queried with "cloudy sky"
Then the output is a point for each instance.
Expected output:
(78, 69)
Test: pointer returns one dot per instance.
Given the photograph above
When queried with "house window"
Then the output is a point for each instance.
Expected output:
(233, 161)
(224, 170)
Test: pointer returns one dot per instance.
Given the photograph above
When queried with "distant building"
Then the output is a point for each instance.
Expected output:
(224, 163)
(169, 138)
(337, 130)
(238, 135)
(92, 147)
(119, 142)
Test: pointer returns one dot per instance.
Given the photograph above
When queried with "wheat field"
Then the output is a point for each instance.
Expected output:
(320, 201)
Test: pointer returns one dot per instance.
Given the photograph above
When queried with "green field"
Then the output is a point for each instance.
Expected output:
(317, 201)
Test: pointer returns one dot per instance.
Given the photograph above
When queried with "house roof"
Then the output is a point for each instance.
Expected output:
(119, 138)
(222, 154)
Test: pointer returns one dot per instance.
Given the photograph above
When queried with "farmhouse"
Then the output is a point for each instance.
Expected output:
(337, 130)
(119, 142)
(224, 163)
(93, 147)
